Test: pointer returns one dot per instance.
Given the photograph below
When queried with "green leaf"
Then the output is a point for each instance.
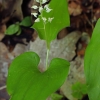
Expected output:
(56, 96)
(19, 32)
(26, 82)
(78, 90)
(92, 64)
(12, 29)
(60, 16)
(26, 21)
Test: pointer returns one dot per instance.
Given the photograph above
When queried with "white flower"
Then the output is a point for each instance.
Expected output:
(34, 14)
(50, 19)
(44, 1)
(40, 9)
(44, 19)
(34, 7)
(37, 20)
(47, 8)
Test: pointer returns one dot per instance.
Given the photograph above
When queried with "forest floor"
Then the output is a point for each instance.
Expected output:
(83, 17)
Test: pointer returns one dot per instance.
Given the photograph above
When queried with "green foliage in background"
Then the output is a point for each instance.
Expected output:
(78, 90)
(92, 64)
(16, 28)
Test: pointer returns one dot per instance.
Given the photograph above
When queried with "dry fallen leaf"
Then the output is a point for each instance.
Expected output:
(2, 31)
(3, 48)
(11, 8)
(19, 48)
(62, 33)
(74, 9)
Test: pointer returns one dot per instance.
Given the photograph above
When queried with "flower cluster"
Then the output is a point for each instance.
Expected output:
(41, 8)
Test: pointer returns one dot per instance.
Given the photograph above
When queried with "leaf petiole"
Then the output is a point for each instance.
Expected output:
(47, 56)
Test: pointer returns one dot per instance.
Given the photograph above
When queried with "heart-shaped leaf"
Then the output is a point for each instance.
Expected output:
(92, 64)
(26, 82)
(56, 19)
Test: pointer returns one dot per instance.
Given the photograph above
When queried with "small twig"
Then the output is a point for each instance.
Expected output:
(3, 87)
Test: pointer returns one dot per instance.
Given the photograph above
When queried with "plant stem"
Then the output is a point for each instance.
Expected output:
(47, 58)
(48, 45)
